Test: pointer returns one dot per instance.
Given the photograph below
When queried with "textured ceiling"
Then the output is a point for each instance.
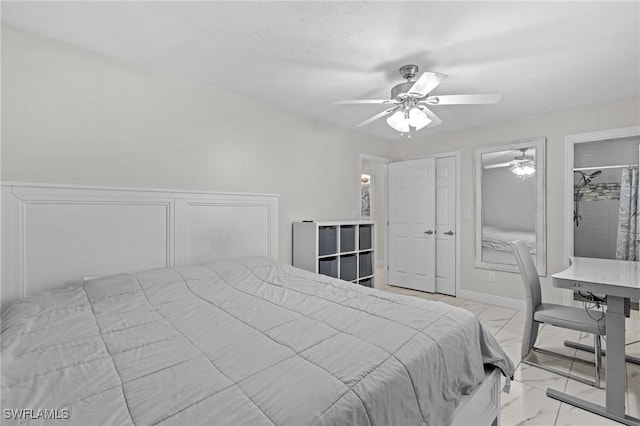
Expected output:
(304, 56)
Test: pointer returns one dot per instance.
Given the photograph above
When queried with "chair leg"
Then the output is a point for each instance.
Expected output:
(629, 358)
(598, 349)
(596, 363)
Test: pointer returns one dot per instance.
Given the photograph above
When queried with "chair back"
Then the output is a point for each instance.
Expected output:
(532, 293)
(529, 274)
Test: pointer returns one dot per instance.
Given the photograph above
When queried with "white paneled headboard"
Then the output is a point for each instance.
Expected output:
(56, 235)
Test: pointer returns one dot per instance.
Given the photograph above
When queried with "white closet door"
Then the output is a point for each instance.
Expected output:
(412, 220)
(446, 225)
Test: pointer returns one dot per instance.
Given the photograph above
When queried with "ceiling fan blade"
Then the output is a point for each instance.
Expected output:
(463, 99)
(497, 166)
(367, 101)
(427, 82)
(435, 120)
(377, 116)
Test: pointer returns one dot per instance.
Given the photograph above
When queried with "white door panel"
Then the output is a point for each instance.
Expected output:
(411, 216)
(446, 225)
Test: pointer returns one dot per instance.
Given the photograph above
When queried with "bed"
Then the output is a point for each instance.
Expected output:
(495, 244)
(245, 341)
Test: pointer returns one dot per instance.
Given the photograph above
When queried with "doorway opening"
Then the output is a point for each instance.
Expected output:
(366, 196)
(373, 195)
(597, 168)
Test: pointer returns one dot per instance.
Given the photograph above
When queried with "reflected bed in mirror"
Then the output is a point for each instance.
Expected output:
(510, 203)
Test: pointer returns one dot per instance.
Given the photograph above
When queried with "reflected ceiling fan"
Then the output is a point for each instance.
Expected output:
(522, 165)
(409, 101)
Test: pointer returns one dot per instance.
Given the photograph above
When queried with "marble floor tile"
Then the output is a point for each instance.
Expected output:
(474, 307)
(513, 351)
(588, 371)
(569, 415)
(633, 348)
(633, 374)
(497, 313)
(451, 300)
(527, 403)
(508, 337)
(633, 401)
(555, 343)
(539, 378)
(429, 296)
(561, 364)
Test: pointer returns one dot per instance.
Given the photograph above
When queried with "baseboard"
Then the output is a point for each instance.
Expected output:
(491, 299)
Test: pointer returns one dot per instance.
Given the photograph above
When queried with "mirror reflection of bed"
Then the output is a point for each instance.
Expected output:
(510, 203)
(509, 207)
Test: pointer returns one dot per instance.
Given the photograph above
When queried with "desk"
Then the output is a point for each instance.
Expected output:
(620, 281)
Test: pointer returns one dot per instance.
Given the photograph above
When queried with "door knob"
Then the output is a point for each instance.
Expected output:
(429, 232)
(448, 233)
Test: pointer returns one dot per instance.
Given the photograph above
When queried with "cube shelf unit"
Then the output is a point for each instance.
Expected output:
(339, 249)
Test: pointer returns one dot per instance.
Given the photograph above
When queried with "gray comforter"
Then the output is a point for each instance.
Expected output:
(240, 342)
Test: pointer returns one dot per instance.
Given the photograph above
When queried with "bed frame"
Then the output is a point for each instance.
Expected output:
(54, 236)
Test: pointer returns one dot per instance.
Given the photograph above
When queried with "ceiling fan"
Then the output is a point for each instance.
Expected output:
(409, 101)
(522, 165)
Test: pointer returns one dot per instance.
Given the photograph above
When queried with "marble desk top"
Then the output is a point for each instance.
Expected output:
(613, 277)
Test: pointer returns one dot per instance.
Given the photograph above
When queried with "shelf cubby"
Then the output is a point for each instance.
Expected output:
(339, 249)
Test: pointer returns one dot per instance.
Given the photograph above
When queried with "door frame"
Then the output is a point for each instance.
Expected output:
(385, 162)
(569, 150)
(456, 155)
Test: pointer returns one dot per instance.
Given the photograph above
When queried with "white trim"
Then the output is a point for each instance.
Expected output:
(492, 299)
(569, 143)
(341, 222)
(439, 155)
(455, 154)
(539, 143)
(127, 189)
(385, 178)
(108, 230)
(620, 166)
(374, 158)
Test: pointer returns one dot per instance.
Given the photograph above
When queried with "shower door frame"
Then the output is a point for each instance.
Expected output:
(569, 144)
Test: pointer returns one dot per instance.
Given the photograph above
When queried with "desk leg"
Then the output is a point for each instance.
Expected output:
(616, 370)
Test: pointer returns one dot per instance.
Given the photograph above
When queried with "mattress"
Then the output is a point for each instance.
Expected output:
(499, 239)
(248, 341)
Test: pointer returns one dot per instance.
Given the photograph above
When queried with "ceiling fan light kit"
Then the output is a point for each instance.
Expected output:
(404, 119)
(523, 166)
(523, 170)
(411, 99)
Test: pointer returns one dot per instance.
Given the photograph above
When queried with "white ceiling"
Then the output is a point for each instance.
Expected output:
(304, 56)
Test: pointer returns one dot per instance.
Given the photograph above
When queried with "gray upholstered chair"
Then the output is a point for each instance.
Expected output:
(569, 317)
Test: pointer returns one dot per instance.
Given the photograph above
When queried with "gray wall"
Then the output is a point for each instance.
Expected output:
(554, 125)
(76, 117)
(73, 116)
(509, 202)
